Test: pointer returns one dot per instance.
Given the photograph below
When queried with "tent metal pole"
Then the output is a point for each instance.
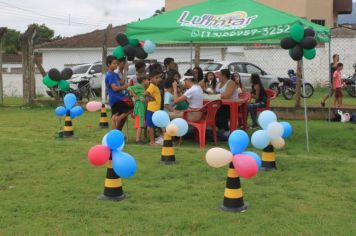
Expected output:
(305, 108)
(191, 55)
(330, 80)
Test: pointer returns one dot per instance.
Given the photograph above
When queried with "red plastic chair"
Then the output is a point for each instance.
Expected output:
(242, 114)
(270, 96)
(208, 119)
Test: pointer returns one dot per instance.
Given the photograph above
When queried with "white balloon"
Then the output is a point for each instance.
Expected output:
(275, 130)
(278, 143)
(218, 157)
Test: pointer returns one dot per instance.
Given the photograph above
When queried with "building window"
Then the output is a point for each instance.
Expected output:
(319, 22)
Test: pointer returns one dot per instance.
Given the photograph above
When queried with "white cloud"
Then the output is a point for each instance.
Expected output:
(68, 17)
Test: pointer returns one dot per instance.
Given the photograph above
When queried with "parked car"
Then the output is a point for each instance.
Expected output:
(90, 71)
(245, 70)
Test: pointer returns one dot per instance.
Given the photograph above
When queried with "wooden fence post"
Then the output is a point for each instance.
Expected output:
(298, 84)
(28, 67)
(103, 67)
(2, 39)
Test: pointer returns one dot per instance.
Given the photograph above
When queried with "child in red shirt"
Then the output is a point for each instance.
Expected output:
(337, 85)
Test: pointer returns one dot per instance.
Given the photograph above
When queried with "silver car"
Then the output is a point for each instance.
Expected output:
(245, 69)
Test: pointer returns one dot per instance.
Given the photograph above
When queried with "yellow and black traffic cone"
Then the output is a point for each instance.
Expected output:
(268, 159)
(168, 156)
(113, 185)
(233, 199)
(103, 117)
(68, 128)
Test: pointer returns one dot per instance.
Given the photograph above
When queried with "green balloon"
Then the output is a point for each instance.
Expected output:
(309, 53)
(63, 85)
(297, 32)
(118, 52)
(133, 42)
(48, 82)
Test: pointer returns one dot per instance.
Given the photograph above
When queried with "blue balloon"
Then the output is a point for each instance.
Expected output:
(69, 100)
(288, 129)
(72, 115)
(149, 47)
(256, 157)
(60, 111)
(238, 141)
(104, 142)
(260, 139)
(123, 164)
(182, 126)
(76, 111)
(265, 118)
(160, 119)
(114, 139)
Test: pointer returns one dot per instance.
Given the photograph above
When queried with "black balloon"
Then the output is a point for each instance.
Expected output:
(308, 42)
(308, 32)
(122, 39)
(66, 73)
(297, 53)
(54, 74)
(287, 43)
(140, 53)
(130, 52)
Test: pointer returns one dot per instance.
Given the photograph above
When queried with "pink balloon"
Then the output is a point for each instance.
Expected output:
(99, 155)
(93, 106)
(245, 166)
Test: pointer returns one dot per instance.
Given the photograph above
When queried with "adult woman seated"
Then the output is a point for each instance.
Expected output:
(193, 95)
(228, 90)
(209, 83)
(258, 92)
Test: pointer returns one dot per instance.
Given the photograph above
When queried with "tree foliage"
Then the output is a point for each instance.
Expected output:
(160, 11)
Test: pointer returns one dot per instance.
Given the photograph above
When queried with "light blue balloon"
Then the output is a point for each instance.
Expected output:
(123, 164)
(160, 119)
(76, 111)
(114, 139)
(69, 100)
(149, 47)
(288, 129)
(265, 118)
(72, 115)
(182, 126)
(260, 139)
(256, 157)
(104, 142)
(238, 141)
(60, 111)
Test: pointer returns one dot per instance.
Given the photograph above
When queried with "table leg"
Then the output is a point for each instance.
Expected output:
(233, 116)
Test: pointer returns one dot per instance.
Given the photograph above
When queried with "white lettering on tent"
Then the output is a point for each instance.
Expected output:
(232, 20)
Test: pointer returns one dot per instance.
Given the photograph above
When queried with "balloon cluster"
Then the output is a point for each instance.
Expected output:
(69, 101)
(245, 163)
(112, 145)
(93, 106)
(301, 43)
(273, 132)
(132, 48)
(56, 78)
(176, 127)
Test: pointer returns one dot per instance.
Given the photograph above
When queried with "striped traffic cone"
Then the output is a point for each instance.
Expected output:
(233, 200)
(113, 185)
(167, 155)
(103, 117)
(68, 128)
(268, 159)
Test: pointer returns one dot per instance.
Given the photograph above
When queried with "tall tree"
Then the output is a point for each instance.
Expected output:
(12, 41)
(43, 35)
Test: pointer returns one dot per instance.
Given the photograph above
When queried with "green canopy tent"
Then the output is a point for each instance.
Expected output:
(224, 22)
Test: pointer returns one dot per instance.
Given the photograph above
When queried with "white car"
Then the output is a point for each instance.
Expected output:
(88, 71)
(245, 70)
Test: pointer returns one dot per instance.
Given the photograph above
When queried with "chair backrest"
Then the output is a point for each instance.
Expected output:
(211, 108)
(270, 96)
(245, 96)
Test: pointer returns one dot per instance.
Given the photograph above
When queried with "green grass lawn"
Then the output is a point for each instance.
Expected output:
(47, 186)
